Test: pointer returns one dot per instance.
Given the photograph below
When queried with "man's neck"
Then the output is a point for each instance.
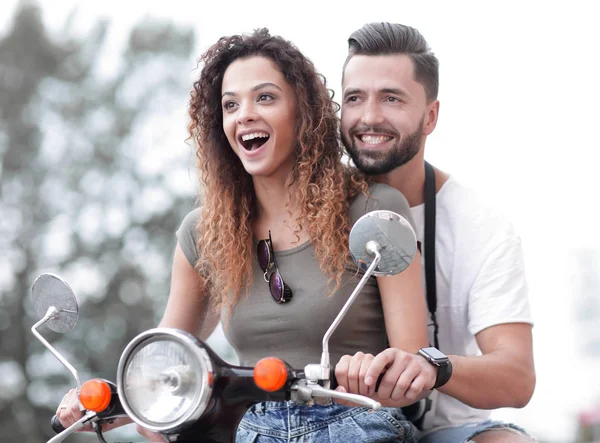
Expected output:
(410, 179)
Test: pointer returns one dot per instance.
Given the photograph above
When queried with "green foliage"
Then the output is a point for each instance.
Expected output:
(80, 196)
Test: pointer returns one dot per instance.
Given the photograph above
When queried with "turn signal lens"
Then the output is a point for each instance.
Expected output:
(95, 395)
(270, 374)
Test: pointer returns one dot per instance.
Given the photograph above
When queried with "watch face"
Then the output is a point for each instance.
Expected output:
(435, 354)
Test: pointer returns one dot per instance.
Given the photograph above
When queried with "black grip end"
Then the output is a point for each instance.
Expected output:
(56, 425)
(379, 381)
(332, 380)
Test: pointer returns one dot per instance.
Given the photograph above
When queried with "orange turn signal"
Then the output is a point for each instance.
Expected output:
(270, 374)
(95, 395)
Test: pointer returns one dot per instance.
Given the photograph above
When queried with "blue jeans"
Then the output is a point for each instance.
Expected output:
(278, 422)
(464, 433)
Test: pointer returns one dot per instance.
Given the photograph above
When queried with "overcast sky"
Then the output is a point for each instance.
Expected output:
(518, 122)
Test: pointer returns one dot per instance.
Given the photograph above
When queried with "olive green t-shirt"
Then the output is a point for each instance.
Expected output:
(293, 331)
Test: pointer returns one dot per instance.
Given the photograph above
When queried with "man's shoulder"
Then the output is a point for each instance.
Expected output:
(460, 198)
(460, 202)
(471, 217)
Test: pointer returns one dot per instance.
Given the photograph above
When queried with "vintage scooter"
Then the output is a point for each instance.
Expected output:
(170, 382)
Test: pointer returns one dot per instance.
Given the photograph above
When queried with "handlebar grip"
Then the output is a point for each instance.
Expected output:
(379, 381)
(56, 425)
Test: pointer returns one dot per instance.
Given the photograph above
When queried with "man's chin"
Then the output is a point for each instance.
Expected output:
(369, 164)
(372, 168)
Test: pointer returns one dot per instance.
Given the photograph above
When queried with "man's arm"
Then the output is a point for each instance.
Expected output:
(500, 319)
(503, 376)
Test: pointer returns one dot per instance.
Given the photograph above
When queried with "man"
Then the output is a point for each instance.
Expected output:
(477, 281)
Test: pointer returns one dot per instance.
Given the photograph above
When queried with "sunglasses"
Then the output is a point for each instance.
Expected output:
(280, 292)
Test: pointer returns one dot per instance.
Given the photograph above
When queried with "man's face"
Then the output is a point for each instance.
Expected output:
(383, 112)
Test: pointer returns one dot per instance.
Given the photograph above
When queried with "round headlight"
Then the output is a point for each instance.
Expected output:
(164, 379)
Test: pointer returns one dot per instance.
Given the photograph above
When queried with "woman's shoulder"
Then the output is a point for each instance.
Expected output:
(385, 192)
(191, 220)
(187, 235)
(380, 196)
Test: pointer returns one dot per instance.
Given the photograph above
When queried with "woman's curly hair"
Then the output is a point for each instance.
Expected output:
(320, 184)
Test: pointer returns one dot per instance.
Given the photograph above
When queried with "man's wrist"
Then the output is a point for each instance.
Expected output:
(443, 364)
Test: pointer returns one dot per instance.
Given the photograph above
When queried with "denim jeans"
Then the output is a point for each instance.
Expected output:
(278, 422)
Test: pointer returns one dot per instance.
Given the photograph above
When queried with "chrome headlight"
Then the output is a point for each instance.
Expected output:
(164, 379)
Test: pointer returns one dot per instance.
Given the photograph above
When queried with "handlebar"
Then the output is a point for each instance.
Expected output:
(307, 389)
(414, 413)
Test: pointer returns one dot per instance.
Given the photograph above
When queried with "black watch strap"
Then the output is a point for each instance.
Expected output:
(443, 374)
(444, 366)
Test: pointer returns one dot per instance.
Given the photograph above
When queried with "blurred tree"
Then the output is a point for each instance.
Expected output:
(89, 189)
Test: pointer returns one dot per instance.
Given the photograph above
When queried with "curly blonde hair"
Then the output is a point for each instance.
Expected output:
(320, 184)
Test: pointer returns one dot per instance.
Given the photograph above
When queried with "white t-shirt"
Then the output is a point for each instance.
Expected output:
(480, 280)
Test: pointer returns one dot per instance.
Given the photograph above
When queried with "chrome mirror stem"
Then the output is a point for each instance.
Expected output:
(372, 248)
(52, 313)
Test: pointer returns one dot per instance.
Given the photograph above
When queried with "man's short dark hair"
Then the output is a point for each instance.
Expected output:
(393, 38)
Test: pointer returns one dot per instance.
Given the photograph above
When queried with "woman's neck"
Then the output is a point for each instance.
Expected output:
(272, 195)
(277, 212)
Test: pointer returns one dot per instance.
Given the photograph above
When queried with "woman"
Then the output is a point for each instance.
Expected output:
(267, 248)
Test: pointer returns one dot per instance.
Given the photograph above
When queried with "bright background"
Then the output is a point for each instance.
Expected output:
(518, 122)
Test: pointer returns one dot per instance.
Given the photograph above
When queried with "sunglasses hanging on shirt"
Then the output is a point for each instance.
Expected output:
(280, 291)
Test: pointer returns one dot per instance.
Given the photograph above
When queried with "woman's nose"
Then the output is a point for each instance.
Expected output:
(246, 113)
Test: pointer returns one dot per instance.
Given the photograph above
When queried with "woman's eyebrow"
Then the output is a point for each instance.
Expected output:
(255, 88)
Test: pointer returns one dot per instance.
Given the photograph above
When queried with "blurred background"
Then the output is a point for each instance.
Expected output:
(95, 174)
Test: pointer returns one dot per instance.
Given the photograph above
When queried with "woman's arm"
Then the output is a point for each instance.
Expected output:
(407, 376)
(404, 308)
(188, 306)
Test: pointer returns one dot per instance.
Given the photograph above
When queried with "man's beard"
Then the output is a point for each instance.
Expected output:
(374, 162)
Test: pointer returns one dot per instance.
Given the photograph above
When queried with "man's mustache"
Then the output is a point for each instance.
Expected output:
(373, 130)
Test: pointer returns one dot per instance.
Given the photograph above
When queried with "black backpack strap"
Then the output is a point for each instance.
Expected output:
(429, 240)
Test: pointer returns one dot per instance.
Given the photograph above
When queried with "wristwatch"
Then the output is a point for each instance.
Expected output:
(439, 359)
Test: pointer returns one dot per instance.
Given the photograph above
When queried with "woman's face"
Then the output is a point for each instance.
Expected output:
(259, 116)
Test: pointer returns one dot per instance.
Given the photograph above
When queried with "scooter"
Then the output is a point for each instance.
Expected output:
(172, 383)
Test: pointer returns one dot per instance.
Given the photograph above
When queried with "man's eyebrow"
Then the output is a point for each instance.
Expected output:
(396, 91)
(352, 91)
(255, 88)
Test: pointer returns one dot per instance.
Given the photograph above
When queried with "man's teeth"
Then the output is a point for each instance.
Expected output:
(375, 139)
(254, 135)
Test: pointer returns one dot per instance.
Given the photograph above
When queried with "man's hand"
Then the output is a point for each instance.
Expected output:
(406, 377)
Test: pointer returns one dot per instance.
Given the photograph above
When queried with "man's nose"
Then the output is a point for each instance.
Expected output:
(372, 114)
